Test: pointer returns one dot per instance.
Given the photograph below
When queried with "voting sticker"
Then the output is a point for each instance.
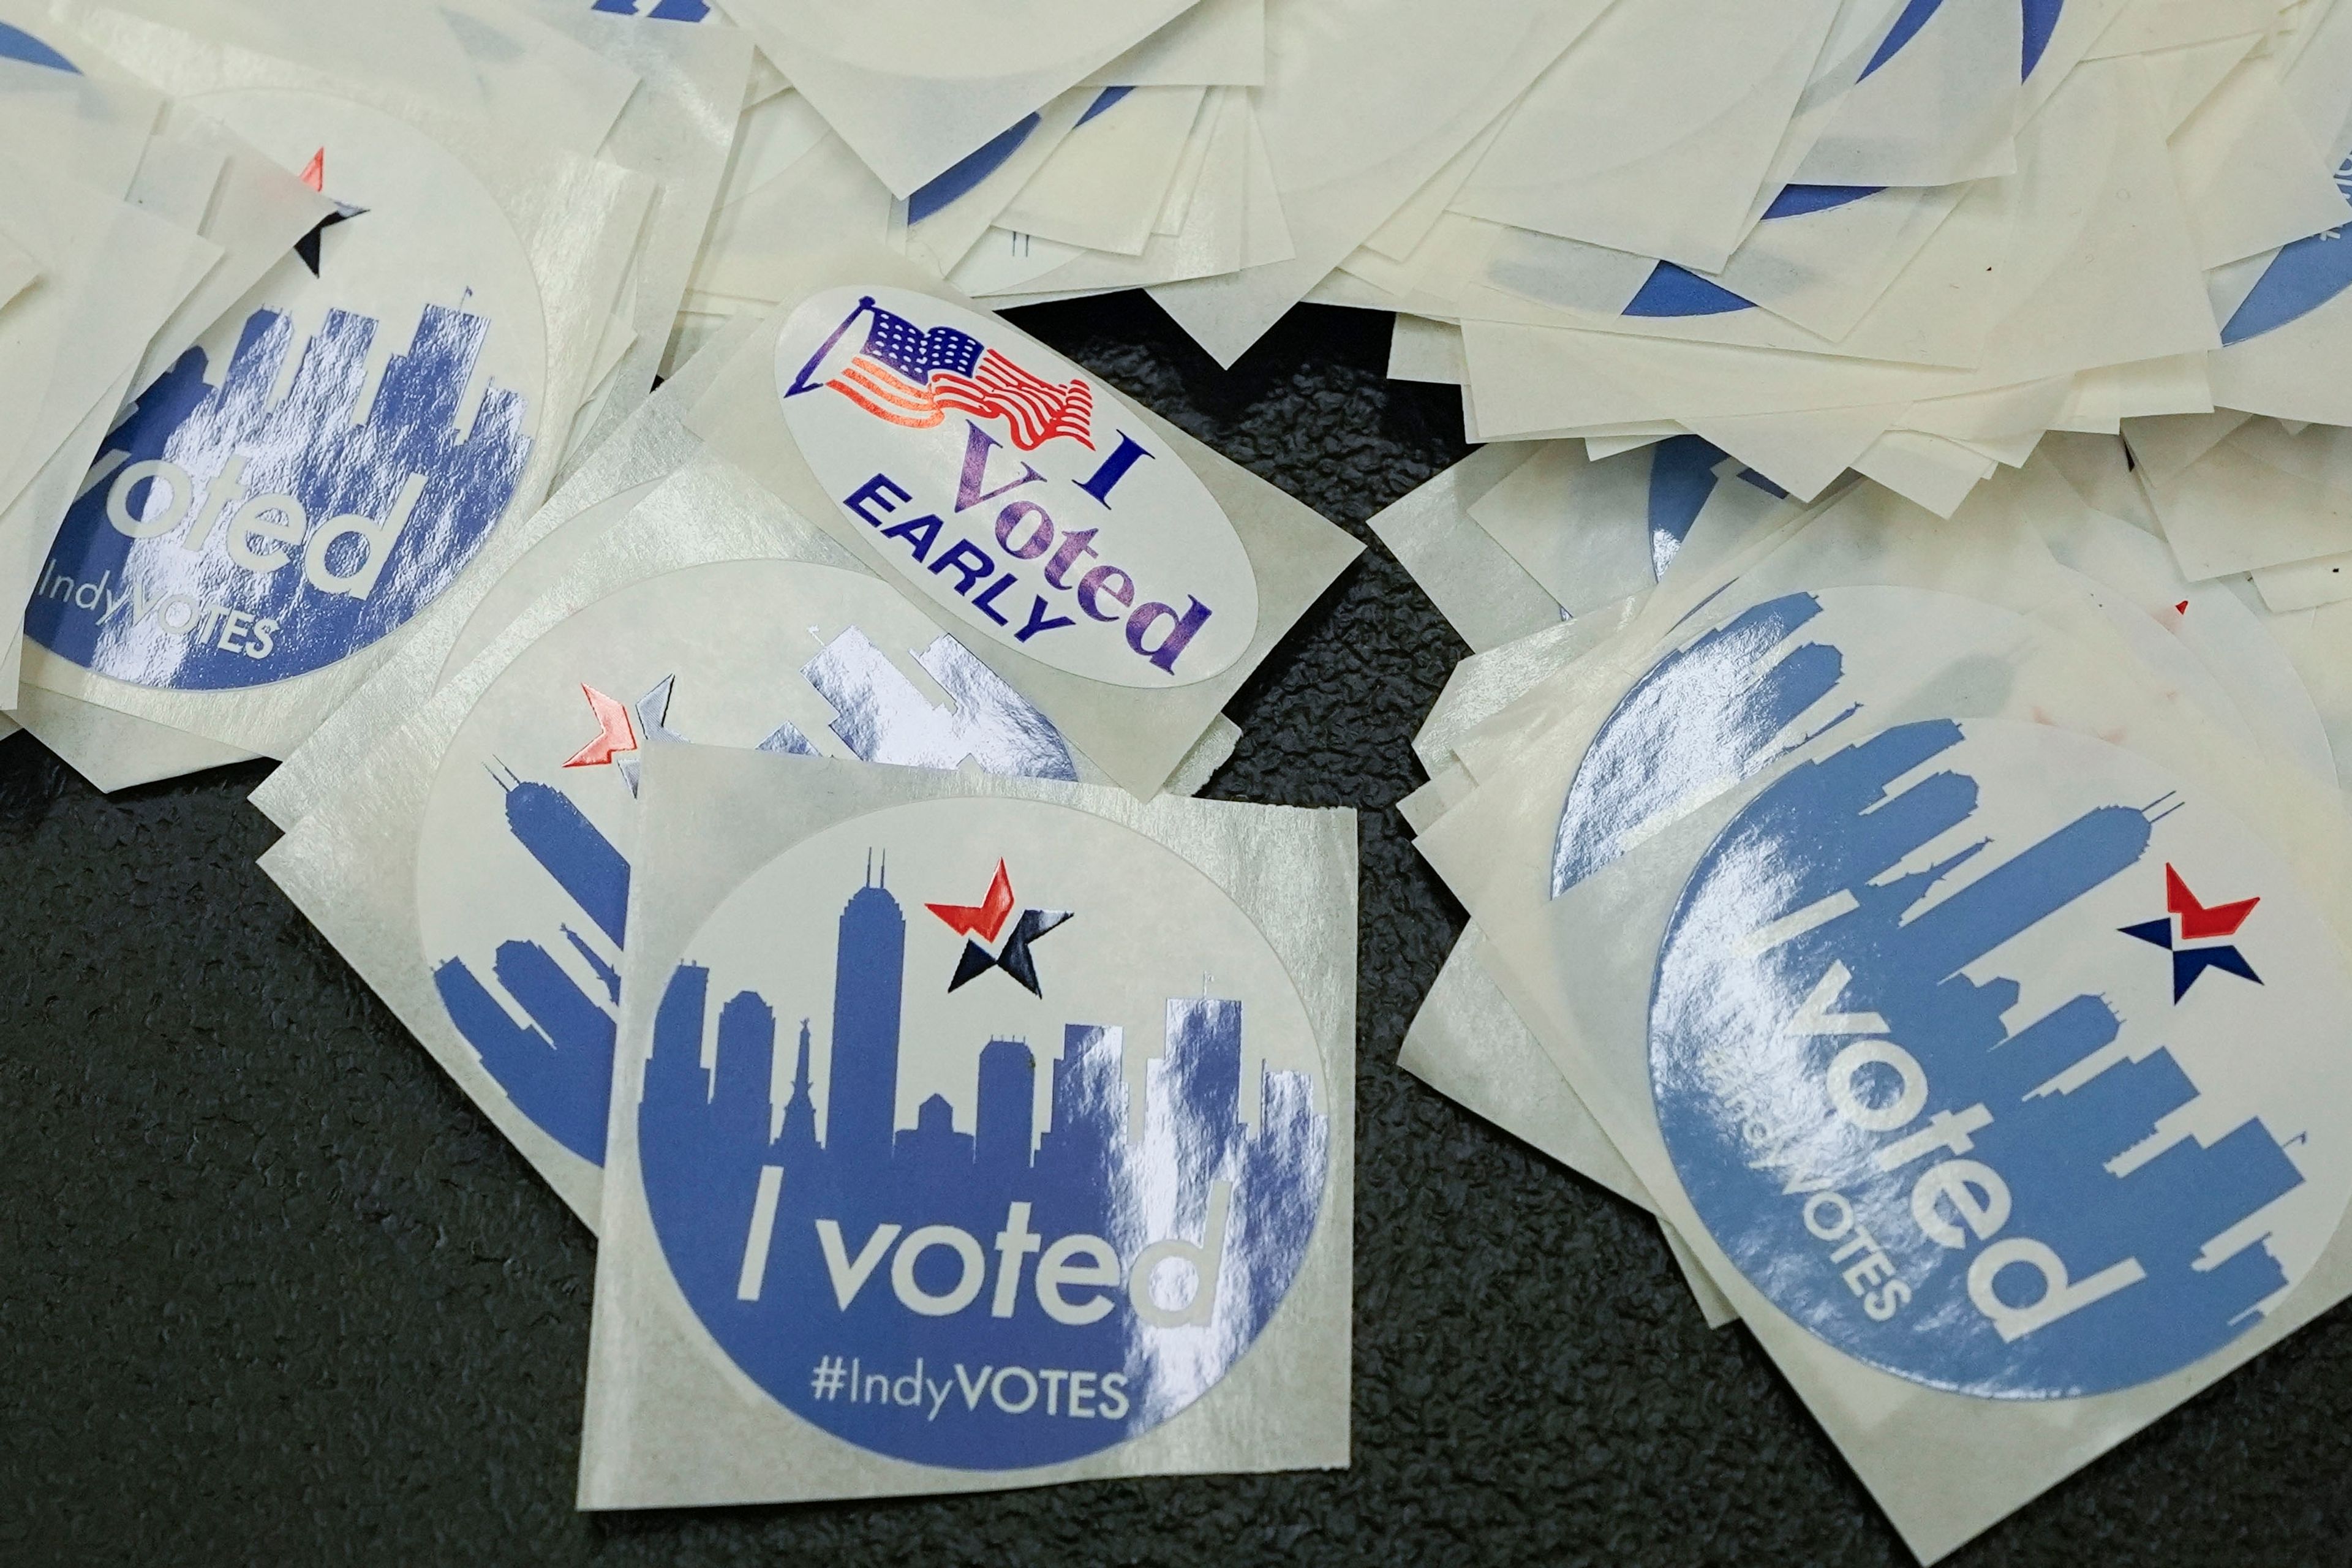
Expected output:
(1006, 484)
(1998, 1061)
(523, 857)
(1745, 694)
(331, 453)
(985, 1133)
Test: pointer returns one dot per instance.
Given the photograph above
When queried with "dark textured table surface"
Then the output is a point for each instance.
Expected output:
(271, 1291)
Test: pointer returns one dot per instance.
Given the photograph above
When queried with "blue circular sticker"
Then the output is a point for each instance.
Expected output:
(324, 461)
(983, 1133)
(2001, 1061)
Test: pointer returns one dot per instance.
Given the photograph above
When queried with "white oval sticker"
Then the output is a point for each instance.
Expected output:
(1009, 484)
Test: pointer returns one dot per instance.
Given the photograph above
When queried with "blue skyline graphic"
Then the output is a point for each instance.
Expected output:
(755, 1269)
(2060, 1108)
(408, 465)
(556, 1063)
(1701, 718)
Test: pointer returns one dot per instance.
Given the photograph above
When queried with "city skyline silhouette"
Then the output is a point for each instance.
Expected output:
(555, 1063)
(307, 443)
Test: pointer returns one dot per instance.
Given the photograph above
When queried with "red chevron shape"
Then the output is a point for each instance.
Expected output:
(987, 917)
(2198, 922)
(616, 735)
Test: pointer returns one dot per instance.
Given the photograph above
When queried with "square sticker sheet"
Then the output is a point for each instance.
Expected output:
(1111, 1236)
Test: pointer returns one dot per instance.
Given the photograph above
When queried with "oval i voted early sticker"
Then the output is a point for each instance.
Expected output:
(1003, 482)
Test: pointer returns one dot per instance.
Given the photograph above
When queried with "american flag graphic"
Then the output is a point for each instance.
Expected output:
(913, 376)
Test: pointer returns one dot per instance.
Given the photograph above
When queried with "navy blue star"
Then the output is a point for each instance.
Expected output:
(1015, 959)
(2188, 962)
(315, 176)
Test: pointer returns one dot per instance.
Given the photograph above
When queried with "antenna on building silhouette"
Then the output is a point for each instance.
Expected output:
(503, 784)
(886, 868)
(2155, 816)
(869, 865)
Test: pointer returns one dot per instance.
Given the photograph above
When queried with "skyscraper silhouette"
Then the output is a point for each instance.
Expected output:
(932, 1153)
(550, 1072)
(745, 1066)
(1087, 1131)
(796, 1144)
(862, 1095)
(1005, 1119)
(582, 861)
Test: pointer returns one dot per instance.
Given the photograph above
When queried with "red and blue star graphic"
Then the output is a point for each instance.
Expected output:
(622, 732)
(314, 174)
(2198, 922)
(984, 919)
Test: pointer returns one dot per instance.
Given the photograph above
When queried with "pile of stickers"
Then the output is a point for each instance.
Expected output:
(1899, 783)
(1899, 787)
(1904, 238)
(1940, 925)
(770, 796)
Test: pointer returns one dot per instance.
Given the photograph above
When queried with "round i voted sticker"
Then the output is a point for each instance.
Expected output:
(1005, 483)
(522, 863)
(984, 1133)
(329, 457)
(2000, 1061)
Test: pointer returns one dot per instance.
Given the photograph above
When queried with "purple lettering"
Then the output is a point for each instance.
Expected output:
(1074, 545)
(1100, 581)
(1041, 537)
(977, 444)
(1179, 636)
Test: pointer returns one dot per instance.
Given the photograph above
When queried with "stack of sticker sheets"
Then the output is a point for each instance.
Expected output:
(1938, 925)
(1903, 237)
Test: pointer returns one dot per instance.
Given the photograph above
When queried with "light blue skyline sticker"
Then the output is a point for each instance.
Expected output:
(1924, 1063)
(330, 454)
(229, 538)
